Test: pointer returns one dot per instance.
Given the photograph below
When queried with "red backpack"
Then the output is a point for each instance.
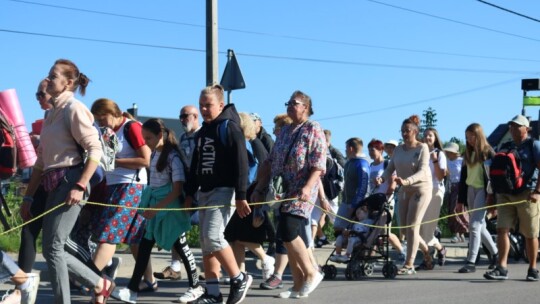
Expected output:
(8, 149)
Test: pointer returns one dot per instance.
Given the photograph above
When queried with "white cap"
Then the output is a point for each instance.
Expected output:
(392, 142)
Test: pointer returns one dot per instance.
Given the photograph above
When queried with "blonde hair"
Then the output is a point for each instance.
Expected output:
(105, 106)
(248, 126)
(481, 148)
(282, 120)
(215, 89)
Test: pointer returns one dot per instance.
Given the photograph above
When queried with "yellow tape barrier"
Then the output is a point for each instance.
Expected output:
(264, 203)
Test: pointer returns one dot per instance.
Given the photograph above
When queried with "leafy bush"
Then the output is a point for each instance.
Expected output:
(10, 242)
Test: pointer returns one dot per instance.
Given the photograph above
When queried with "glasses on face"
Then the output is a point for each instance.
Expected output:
(293, 102)
(40, 95)
(184, 116)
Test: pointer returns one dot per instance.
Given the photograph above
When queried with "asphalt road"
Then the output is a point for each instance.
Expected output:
(441, 285)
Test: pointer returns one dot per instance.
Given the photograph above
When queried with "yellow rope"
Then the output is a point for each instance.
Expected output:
(262, 203)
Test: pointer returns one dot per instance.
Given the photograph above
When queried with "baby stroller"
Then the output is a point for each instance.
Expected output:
(374, 246)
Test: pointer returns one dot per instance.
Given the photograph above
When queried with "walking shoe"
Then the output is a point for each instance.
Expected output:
(11, 297)
(532, 274)
(468, 268)
(321, 242)
(112, 270)
(289, 294)
(28, 295)
(124, 295)
(406, 271)
(441, 256)
(342, 258)
(498, 273)
(239, 289)
(268, 267)
(310, 286)
(208, 299)
(271, 283)
(191, 294)
(493, 262)
(455, 239)
(168, 274)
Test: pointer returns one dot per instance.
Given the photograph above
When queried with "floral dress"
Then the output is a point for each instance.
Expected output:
(307, 146)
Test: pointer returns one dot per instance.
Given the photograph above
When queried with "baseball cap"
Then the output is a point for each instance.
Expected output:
(520, 120)
(392, 142)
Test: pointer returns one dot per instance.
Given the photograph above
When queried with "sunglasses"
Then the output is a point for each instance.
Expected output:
(293, 102)
(40, 95)
(184, 116)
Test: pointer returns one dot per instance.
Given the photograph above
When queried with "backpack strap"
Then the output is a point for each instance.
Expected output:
(222, 131)
(127, 127)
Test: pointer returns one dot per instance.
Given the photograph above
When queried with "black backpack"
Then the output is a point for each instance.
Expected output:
(333, 179)
(506, 172)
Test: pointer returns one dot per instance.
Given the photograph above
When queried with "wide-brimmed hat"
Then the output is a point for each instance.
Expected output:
(451, 147)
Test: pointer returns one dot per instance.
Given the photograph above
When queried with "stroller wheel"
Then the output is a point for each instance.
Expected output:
(330, 272)
(389, 270)
(368, 269)
(354, 270)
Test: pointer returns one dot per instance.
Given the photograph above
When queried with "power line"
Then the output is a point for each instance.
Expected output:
(454, 21)
(510, 11)
(437, 98)
(291, 37)
(329, 61)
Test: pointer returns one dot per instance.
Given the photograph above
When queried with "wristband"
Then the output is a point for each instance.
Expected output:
(28, 198)
(80, 186)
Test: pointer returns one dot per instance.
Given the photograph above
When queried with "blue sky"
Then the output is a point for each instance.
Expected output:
(367, 64)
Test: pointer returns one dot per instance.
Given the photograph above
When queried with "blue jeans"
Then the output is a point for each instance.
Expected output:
(8, 268)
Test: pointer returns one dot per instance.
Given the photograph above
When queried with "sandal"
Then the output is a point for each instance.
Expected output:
(406, 271)
(105, 292)
(150, 287)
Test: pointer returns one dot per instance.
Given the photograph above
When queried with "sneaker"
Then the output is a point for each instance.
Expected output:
(441, 256)
(224, 280)
(239, 289)
(208, 299)
(124, 295)
(342, 259)
(289, 294)
(532, 274)
(28, 295)
(271, 283)
(310, 286)
(191, 294)
(455, 239)
(268, 267)
(498, 273)
(321, 242)
(112, 270)
(11, 297)
(168, 274)
(468, 268)
(333, 258)
(493, 262)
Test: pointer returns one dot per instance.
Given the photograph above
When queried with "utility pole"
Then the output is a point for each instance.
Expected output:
(211, 42)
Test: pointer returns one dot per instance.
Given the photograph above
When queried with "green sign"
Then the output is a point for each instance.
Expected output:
(531, 101)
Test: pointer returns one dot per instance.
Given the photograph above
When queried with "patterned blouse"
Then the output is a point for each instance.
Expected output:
(307, 146)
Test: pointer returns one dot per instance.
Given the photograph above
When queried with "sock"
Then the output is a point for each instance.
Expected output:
(266, 260)
(277, 275)
(24, 285)
(175, 265)
(212, 287)
(240, 277)
(109, 263)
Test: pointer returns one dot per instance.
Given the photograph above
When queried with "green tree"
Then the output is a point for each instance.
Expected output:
(429, 119)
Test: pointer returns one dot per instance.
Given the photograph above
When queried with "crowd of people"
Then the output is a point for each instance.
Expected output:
(224, 164)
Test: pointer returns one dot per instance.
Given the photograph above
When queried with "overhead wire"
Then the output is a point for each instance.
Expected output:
(329, 61)
(291, 37)
(509, 10)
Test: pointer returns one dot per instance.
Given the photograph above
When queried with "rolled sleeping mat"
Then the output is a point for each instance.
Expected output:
(9, 104)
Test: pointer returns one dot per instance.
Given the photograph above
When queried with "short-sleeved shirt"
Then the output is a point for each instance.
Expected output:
(307, 152)
(441, 162)
(454, 169)
(173, 172)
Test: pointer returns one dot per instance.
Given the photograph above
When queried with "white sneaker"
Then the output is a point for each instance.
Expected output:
(28, 295)
(11, 297)
(191, 294)
(342, 259)
(125, 295)
(289, 294)
(334, 258)
(268, 267)
(310, 286)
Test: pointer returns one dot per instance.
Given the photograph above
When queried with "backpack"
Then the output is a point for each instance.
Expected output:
(8, 148)
(253, 163)
(506, 173)
(109, 146)
(127, 127)
(334, 178)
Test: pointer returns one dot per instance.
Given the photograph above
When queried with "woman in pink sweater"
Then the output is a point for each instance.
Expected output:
(411, 163)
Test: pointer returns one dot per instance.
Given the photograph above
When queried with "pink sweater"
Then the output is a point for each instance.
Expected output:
(411, 165)
(57, 148)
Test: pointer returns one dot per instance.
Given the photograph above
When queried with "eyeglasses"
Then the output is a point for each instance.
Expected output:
(40, 95)
(184, 116)
(293, 102)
